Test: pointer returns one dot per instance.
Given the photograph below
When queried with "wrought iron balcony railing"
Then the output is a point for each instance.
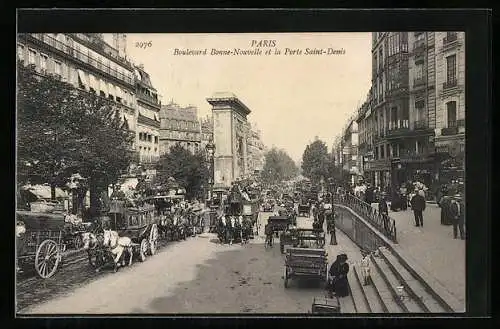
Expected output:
(420, 124)
(418, 82)
(448, 131)
(450, 84)
(83, 57)
(450, 38)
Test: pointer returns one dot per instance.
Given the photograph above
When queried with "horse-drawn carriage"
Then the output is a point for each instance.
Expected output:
(40, 242)
(127, 231)
(303, 262)
(304, 209)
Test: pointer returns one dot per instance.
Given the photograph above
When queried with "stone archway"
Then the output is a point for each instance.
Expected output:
(230, 130)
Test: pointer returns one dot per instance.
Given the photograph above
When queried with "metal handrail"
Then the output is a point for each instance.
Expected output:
(382, 222)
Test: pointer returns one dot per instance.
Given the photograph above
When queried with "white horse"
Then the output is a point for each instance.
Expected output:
(118, 245)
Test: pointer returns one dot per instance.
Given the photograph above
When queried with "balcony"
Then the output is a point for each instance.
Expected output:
(398, 91)
(420, 125)
(419, 58)
(148, 159)
(83, 58)
(414, 157)
(149, 99)
(449, 131)
(418, 47)
(451, 40)
(419, 82)
(450, 84)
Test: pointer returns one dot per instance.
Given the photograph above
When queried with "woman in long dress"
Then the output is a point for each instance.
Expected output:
(338, 272)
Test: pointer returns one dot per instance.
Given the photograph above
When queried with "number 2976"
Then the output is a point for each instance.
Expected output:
(144, 44)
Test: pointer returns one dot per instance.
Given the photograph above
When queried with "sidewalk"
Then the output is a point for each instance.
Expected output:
(433, 248)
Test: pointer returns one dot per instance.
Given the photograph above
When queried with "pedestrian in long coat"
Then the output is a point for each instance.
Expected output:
(418, 205)
(445, 210)
(457, 214)
(382, 205)
(338, 273)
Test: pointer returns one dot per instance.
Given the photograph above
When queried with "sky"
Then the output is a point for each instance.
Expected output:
(293, 97)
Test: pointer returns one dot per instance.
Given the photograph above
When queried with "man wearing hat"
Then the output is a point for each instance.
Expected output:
(457, 215)
(418, 205)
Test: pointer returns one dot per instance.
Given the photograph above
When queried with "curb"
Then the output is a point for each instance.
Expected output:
(429, 282)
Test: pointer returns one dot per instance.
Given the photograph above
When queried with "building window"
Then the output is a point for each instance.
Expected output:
(451, 111)
(394, 118)
(20, 52)
(149, 139)
(156, 139)
(419, 72)
(451, 69)
(43, 61)
(32, 57)
(57, 68)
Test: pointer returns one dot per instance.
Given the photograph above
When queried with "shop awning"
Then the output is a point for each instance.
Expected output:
(83, 78)
(43, 191)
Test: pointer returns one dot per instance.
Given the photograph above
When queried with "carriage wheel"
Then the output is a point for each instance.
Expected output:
(77, 242)
(153, 239)
(285, 277)
(47, 258)
(143, 250)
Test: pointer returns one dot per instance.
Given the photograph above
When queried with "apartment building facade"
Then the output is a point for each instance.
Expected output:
(148, 120)
(413, 121)
(87, 62)
(179, 125)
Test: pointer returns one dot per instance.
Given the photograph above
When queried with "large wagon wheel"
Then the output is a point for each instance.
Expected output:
(153, 239)
(143, 249)
(285, 277)
(48, 256)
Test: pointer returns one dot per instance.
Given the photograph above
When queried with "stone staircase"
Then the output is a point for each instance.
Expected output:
(393, 289)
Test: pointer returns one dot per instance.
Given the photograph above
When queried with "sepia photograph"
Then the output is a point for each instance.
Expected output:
(240, 173)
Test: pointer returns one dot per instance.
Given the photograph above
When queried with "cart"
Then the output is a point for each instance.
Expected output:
(304, 209)
(310, 238)
(42, 243)
(324, 305)
(138, 223)
(279, 224)
(306, 263)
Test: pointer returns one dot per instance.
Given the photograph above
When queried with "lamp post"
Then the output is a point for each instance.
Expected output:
(210, 148)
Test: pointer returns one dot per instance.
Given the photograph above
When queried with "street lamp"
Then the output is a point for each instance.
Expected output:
(210, 149)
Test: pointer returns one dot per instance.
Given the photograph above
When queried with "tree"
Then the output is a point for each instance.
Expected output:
(278, 166)
(64, 130)
(315, 161)
(189, 170)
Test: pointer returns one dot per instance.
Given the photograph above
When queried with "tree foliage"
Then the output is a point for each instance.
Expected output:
(316, 161)
(278, 166)
(62, 130)
(189, 170)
